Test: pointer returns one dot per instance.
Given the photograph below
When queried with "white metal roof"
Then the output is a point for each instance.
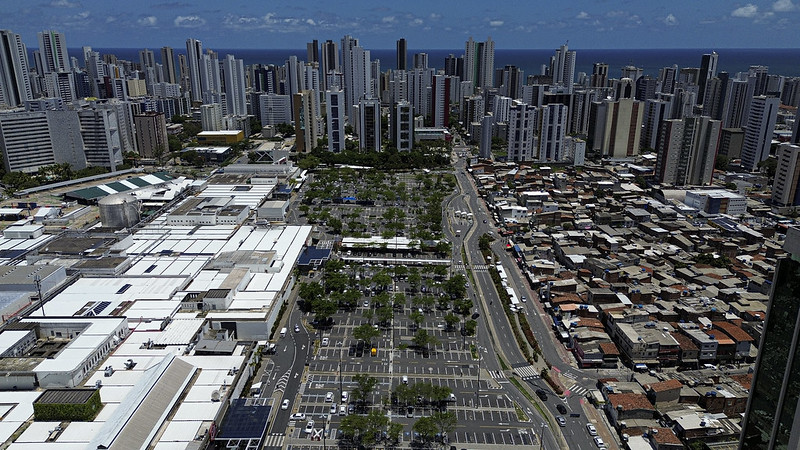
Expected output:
(179, 332)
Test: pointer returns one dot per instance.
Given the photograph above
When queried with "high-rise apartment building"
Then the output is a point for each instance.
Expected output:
(479, 63)
(15, 83)
(146, 58)
(151, 134)
(369, 124)
(770, 420)
(440, 99)
(312, 51)
(763, 113)
(599, 75)
(211, 117)
(402, 126)
(563, 68)
(307, 124)
(52, 51)
(402, 55)
(553, 119)
(335, 109)
(786, 186)
(329, 63)
(275, 109)
(168, 62)
(521, 132)
(687, 149)
(357, 73)
(194, 50)
(235, 90)
(620, 128)
(708, 70)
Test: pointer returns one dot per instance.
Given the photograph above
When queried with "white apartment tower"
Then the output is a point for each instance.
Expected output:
(551, 137)
(521, 131)
(563, 68)
(235, 90)
(786, 187)
(762, 114)
(15, 83)
(194, 50)
(479, 63)
(687, 149)
(53, 51)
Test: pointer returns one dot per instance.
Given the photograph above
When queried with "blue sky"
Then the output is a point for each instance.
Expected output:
(424, 23)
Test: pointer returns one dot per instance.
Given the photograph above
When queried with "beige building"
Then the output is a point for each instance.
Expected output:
(151, 134)
(623, 128)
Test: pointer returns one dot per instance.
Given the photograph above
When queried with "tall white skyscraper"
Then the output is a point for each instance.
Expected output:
(551, 138)
(786, 187)
(146, 58)
(357, 73)
(334, 105)
(563, 68)
(761, 119)
(235, 95)
(479, 62)
(440, 101)
(15, 83)
(53, 51)
(687, 149)
(194, 50)
(521, 131)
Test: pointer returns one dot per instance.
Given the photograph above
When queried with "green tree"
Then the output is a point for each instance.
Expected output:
(422, 339)
(485, 242)
(255, 126)
(721, 163)
(384, 315)
(769, 166)
(365, 385)
(456, 287)
(470, 327)
(417, 318)
(451, 320)
(426, 428)
(366, 333)
(309, 162)
(445, 422)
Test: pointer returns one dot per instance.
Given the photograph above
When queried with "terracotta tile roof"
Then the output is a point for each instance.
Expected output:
(608, 348)
(666, 385)
(683, 341)
(664, 436)
(735, 332)
(746, 380)
(630, 401)
(590, 322)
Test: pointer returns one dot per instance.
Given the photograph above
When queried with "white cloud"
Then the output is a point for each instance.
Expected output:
(435, 16)
(149, 21)
(583, 15)
(496, 23)
(311, 22)
(415, 23)
(747, 11)
(189, 21)
(670, 20)
(783, 6)
(388, 19)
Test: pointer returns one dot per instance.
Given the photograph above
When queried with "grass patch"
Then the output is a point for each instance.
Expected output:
(474, 351)
(503, 364)
(521, 416)
(532, 400)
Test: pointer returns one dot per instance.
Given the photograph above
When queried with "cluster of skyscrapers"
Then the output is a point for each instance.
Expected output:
(687, 117)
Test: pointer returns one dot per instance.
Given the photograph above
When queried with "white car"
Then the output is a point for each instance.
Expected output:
(592, 430)
(599, 442)
(285, 404)
(333, 408)
(325, 342)
(298, 416)
(309, 427)
(329, 397)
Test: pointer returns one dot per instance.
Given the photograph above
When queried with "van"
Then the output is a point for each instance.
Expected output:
(343, 410)
(283, 331)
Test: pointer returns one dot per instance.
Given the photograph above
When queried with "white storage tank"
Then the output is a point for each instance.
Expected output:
(119, 211)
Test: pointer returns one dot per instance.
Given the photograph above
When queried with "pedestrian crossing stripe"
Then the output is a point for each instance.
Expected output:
(527, 372)
(578, 390)
(497, 374)
(475, 267)
(570, 375)
(274, 440)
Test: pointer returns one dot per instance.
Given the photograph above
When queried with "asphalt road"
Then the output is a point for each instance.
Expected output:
(287, 373)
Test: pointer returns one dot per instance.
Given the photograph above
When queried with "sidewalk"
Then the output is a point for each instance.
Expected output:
(604, 429)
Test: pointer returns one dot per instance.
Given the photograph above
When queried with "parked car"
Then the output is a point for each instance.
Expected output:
(285, 404)
(592, 430)
(298, 416)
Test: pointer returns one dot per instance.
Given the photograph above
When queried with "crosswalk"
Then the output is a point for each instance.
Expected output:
(577, 390)
(527, 372)
(274, 440)
(475, 267)
(569, 375)
(283, 381)
(497, 374)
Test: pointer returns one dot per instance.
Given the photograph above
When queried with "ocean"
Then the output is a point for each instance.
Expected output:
(780, 61)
